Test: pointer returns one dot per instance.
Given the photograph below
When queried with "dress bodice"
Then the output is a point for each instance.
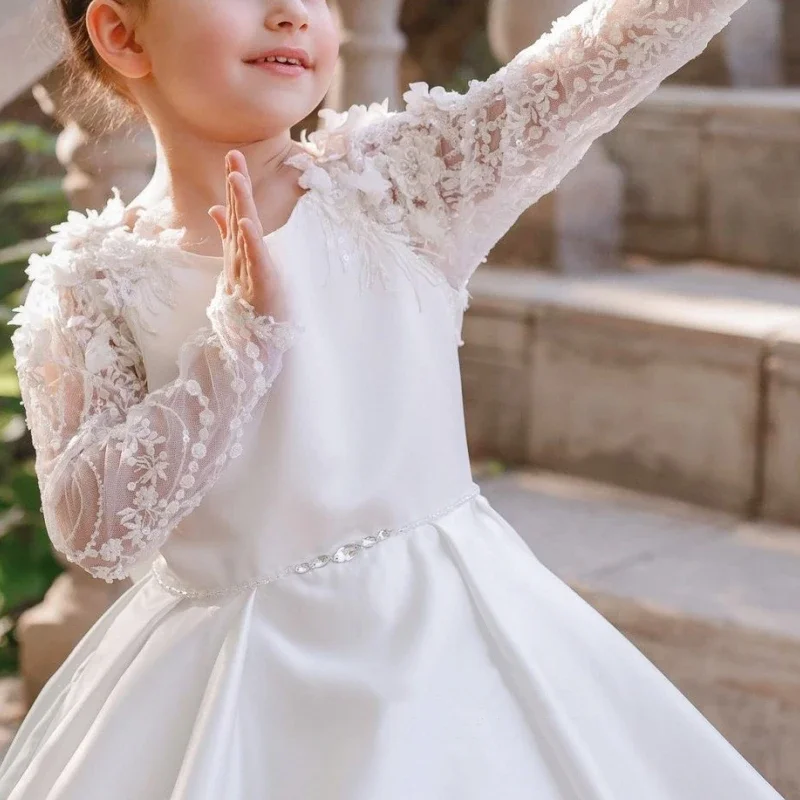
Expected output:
(364, 427)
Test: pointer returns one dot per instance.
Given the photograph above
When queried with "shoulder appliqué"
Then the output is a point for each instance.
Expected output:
(119, 267)
(365, 223)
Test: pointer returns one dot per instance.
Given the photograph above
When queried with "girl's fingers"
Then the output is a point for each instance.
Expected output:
(235, 157)
(254, 215)
(247, 255)
(229, 196)
(250, 255)
(252, 211)
(247, 205)
(255, 256)
(244, 275)
(249, 209)
(236, 230)
(242, 199)
(230, 239)
(258, 263)
(218, 214)
(241, 164)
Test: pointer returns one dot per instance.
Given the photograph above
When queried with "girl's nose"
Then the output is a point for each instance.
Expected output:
(287, 15)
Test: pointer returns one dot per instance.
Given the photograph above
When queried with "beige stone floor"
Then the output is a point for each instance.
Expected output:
(669, 554)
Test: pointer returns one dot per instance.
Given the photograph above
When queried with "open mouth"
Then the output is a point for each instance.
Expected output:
(283, 61)
(279, 60)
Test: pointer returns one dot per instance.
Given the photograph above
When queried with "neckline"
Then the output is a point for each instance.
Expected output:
(145, 230)
(216, 261)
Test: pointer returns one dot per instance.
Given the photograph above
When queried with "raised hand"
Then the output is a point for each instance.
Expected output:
(247, 261)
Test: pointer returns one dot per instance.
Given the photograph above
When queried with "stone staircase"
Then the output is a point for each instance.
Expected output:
(681, 381)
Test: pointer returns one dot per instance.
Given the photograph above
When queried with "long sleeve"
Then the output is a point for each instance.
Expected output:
(460, 169)
(119, 467)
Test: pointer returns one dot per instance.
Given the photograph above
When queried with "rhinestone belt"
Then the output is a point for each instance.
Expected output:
(342, 554)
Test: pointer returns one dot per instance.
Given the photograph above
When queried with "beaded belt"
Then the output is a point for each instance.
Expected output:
(342, 554)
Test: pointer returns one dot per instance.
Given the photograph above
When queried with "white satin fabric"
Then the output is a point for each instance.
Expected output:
(443, 662)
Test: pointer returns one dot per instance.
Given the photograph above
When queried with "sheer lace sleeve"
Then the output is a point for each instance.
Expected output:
(463, 167)
(119, 467)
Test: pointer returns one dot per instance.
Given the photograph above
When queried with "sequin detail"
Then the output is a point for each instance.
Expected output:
(341, 555)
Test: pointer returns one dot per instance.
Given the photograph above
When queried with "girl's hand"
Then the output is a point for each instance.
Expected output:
(247, 262)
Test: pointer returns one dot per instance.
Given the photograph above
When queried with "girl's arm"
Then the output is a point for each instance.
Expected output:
(119, 468)
(464, 167)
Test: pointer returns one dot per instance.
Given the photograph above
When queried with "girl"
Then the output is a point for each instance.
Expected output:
(343, 616)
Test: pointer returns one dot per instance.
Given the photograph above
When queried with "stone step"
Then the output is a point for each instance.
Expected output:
(682, 381)
(709, 598)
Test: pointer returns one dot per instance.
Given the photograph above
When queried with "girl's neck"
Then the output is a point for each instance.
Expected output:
(189, 176)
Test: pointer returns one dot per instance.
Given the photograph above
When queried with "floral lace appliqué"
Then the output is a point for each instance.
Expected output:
(119, 467)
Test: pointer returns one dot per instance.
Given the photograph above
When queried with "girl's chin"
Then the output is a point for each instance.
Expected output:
(278, 114)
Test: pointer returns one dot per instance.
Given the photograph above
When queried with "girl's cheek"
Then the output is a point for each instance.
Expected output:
(215, 48)
(328, 41)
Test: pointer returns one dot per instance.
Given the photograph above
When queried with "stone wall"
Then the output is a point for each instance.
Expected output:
(677, 383)
(713, 173)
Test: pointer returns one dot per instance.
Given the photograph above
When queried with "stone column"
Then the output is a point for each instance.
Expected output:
(754, 45)
(95, 160)
(791, 41)
(586, 213)
(47, 633)
(372, 48)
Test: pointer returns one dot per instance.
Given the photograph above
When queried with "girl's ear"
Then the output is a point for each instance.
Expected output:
(112, 29)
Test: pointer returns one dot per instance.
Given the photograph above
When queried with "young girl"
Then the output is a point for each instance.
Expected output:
(334, 611)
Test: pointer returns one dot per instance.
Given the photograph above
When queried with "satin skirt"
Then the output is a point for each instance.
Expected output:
(444, 664)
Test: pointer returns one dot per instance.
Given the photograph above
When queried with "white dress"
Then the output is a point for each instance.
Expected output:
(342, 615)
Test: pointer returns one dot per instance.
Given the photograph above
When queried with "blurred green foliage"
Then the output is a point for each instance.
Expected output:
(31, 201)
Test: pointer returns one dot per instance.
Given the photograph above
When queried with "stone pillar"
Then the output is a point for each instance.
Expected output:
(372, 47)
(753, 44)
(791, 41)
(95, 160)
(47, 633)
(587, 212)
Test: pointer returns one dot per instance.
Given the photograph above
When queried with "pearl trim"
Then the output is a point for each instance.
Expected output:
(342, 554)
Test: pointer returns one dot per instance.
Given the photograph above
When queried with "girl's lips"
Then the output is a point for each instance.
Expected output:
(276, 68)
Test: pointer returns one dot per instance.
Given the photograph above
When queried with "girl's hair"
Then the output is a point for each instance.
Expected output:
(90, 81)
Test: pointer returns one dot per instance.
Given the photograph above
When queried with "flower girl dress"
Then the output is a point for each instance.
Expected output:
(332, 609)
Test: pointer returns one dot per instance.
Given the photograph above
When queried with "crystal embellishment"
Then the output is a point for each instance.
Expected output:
(342, 554)
(345, 553)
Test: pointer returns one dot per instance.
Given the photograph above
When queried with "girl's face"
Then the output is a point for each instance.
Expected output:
(203, 63)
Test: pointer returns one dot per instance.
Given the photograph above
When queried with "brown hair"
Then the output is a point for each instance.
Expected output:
(90, 81)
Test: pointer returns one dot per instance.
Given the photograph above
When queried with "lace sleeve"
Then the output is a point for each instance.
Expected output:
(119, 467)
(464, 167)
